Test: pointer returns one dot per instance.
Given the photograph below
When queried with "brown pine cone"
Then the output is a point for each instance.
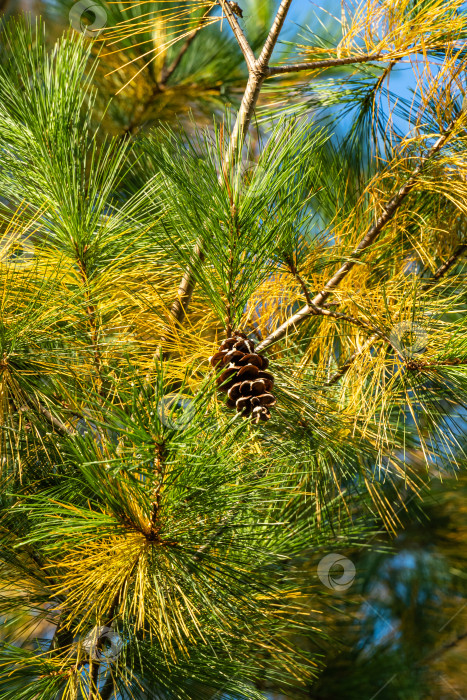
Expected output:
(247, 385)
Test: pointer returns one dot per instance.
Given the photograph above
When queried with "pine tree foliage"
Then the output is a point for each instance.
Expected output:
(138, 510)
(166, 60)
(403, 631)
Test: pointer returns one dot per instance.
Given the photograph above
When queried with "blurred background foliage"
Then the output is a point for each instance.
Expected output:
(382, 453)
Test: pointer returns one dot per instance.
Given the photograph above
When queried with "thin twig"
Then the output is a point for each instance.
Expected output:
(256, 78)
(321, 311)
(258, 71)
(274, 32)
(185, 290)
(440, 272)
(449, 263)
(256, 75)
(442, 650)
(239, 35)
(53, 420)
(349, 362)
(324, 311)
(371, 235)
(293, 270)
(160, 85)
(168, 71)
(325, 63)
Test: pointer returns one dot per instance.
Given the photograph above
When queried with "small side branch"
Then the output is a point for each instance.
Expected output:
(325, 63)
(343, 369)
(449, 263)
(440, 272)
(185, 290)
(257, 70)
(168, 71)
(322, 311)
(274, 32)
(370, 237)
(53, 420)
(239, 35)
(293, 271)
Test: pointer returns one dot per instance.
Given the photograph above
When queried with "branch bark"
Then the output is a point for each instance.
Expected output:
(440, 272)
(274, 32)
(442, 650)
(185, 290)
(54, 422)
(371, 235)
(257, 73)
(160, 86)
(239, 35)
(325, 63)
(321, 311)
(449, 263)
(167, 72)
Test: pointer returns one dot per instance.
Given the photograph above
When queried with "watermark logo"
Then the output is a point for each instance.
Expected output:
(239, 175)
(103, 644)
(16, 249)
(175, 411)
(89, 8)
(246, 172)
(408, 338)
(336, 572)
